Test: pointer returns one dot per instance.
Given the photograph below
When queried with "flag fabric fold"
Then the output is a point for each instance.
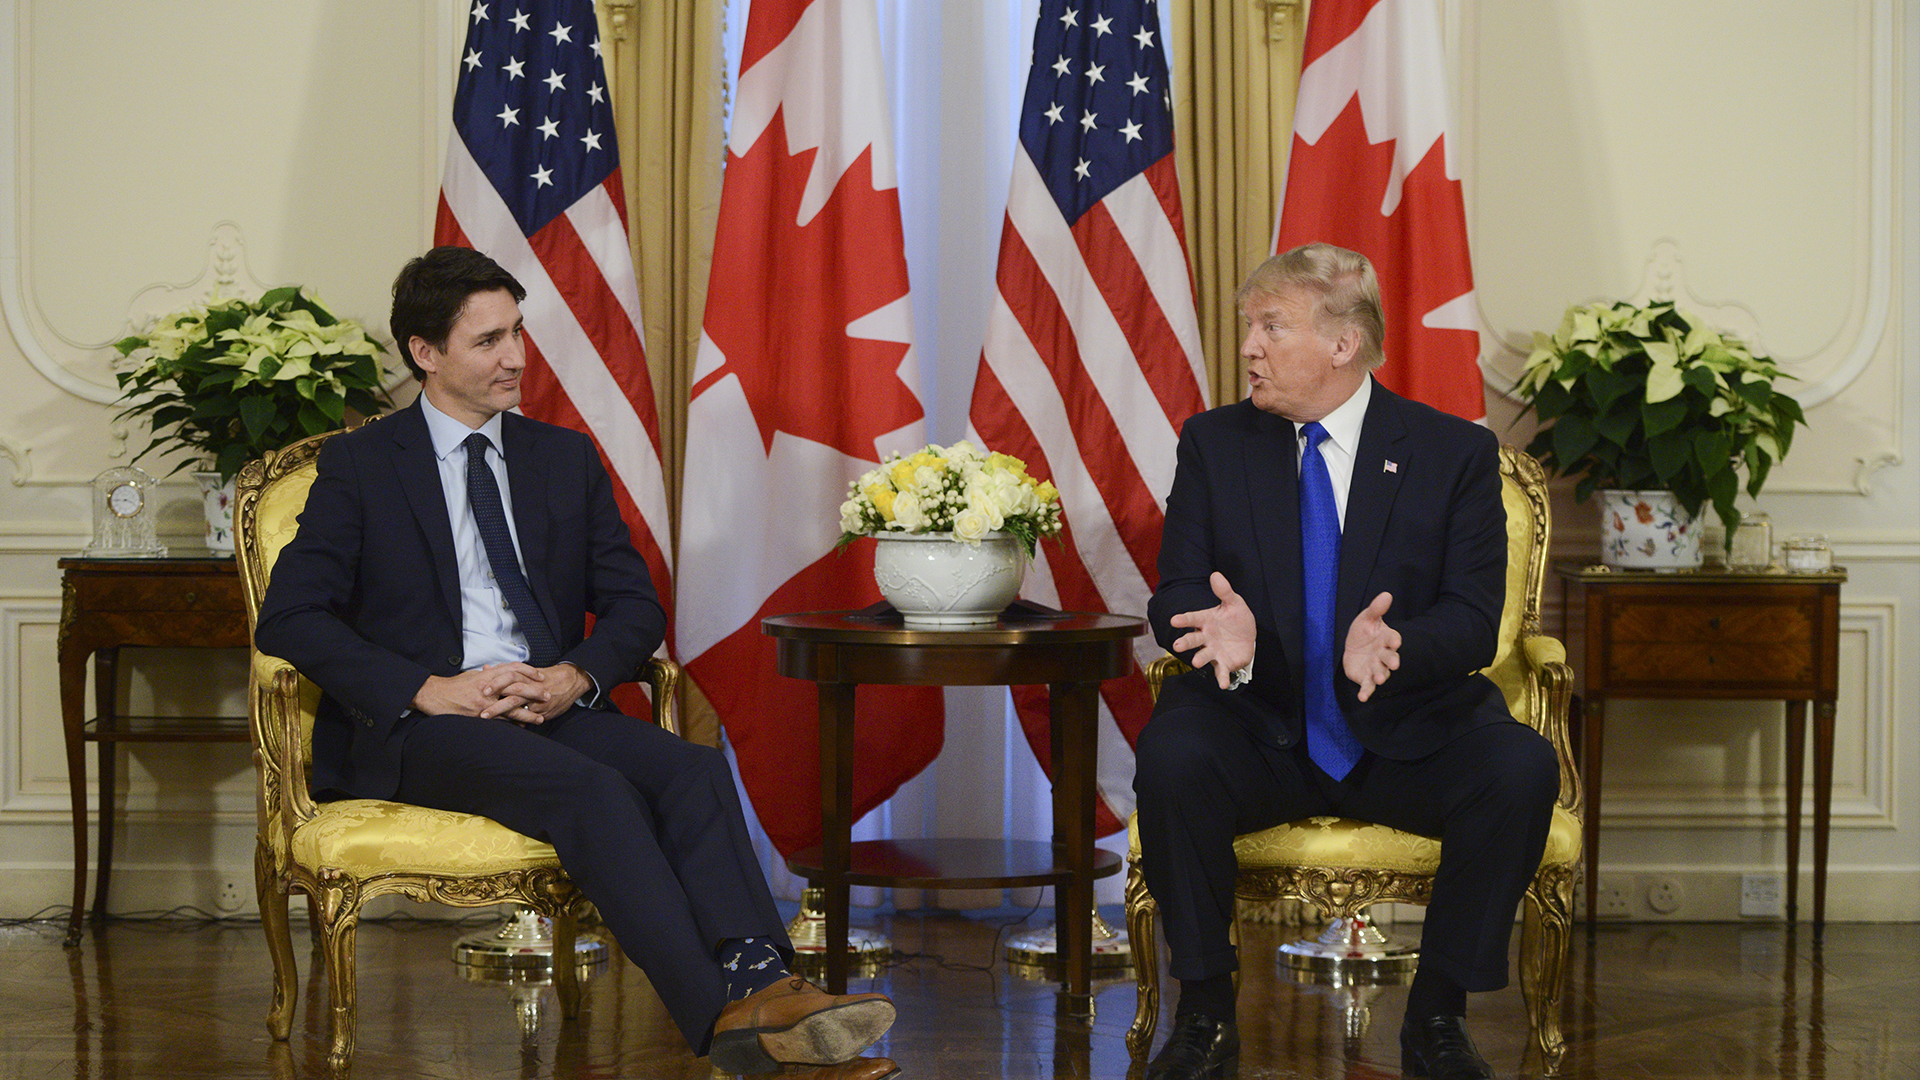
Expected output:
(1371, 169)
(533, 180)
(1092, 357)
(805, 377)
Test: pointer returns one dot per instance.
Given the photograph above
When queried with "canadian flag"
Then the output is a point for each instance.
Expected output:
(805, 377)
(1371, 169)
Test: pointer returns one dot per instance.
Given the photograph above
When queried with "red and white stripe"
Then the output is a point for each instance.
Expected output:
(1091, 363)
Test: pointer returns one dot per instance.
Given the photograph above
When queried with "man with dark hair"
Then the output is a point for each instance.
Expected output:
(1336, 554)
(437, 592)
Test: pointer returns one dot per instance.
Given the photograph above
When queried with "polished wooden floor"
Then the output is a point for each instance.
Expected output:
(1662, 1002)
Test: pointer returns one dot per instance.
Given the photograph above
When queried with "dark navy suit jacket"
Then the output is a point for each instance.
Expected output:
(365, 600)
(1424, 522)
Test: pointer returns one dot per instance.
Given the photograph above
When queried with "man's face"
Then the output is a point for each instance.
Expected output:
(477, 375)
(1294, 369)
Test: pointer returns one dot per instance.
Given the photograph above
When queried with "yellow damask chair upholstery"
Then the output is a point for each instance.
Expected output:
(342, 854)
(1341, 866)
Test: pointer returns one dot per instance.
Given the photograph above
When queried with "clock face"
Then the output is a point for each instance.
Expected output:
(125, 500)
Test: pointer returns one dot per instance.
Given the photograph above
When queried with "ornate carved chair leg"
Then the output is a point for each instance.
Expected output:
(272, 898)
(1543, 959)
(566, 973)
(340, 916)
(1141, 911)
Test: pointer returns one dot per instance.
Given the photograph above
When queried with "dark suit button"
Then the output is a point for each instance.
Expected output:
(454, 660)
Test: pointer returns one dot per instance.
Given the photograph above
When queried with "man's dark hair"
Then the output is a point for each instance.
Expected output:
(432, 291)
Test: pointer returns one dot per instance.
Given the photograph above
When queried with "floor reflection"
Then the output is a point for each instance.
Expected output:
(1665, 1002)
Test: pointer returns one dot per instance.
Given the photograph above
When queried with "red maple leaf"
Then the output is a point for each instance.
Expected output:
(783, 294)
(1335, 190)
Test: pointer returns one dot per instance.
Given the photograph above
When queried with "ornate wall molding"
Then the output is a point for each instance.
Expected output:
(80, 367)
(21, 455)
(1501, 355)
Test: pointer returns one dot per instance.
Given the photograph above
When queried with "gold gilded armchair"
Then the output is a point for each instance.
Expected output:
(1341, 866)
(342, 854)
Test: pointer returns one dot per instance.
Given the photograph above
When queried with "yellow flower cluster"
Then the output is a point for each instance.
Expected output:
(956, 489)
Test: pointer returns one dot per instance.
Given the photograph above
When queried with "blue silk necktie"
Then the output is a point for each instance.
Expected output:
(483, 494)
(1330, 742)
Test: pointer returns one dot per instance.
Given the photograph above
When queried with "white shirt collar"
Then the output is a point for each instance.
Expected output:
(1343, 423)
(449, 434)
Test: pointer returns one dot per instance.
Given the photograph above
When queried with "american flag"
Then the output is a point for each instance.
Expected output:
(533, 180)
(1371, 169)
(1092, 359)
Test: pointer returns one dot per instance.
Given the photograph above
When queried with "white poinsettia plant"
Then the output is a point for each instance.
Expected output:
(235, 378)
(959, 490)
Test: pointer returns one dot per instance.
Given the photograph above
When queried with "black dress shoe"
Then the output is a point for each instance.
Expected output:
(1438, 1047)
(1200, 1048)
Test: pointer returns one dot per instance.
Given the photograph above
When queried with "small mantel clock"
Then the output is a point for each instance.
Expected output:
(123, 516)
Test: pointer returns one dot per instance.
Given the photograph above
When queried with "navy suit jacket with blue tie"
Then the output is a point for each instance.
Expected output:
(1424, 521)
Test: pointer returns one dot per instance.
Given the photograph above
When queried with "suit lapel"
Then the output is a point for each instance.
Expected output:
(419, 474)
(1370, 496)
(1273, 505)
(527, 478)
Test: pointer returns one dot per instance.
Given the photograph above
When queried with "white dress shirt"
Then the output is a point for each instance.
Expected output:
(488, 631)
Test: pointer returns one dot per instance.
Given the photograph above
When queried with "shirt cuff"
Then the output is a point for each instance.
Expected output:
(1240, 678)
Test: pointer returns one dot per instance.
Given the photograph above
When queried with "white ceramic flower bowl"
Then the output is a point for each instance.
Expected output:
(937, 582)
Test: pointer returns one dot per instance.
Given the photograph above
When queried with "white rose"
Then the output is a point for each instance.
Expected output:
(970, 525)
(907, 513)
(850, 517)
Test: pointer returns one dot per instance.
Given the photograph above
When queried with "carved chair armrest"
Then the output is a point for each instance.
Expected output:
(1553, 682)
(662, 677)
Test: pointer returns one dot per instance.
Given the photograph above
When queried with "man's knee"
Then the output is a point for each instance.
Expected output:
(1177, 751)
(1529, 773)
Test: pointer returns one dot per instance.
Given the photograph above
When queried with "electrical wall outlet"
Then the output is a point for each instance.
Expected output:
(1664, 895)
(1761, 896)
(1613, 900)
(231, 895)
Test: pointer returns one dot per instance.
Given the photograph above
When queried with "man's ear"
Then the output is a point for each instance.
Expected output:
(425, 356)
(1346, 346)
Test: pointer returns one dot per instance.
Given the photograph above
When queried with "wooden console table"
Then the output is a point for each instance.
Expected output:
(1715, 634)
(106, 604)
(1072, 655)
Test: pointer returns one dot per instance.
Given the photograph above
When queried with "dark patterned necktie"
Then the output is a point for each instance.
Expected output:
(1330, 742)
(483, 495)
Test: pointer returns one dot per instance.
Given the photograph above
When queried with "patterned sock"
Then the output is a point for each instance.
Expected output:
(749, 965)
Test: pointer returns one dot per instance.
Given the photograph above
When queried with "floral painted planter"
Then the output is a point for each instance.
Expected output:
(1647, 530)
(937, 582)
(216, 496)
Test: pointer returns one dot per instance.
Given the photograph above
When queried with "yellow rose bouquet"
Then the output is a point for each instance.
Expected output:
(957, 489)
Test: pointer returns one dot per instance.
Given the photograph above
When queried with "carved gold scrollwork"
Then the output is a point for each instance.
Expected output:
(1280, 18)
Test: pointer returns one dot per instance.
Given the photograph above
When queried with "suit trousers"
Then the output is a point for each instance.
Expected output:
(647, 824)
(1203, 777)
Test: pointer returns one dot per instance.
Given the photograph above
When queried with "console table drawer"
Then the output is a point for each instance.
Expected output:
(1755, 646)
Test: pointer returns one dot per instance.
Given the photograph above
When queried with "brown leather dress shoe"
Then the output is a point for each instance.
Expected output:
(878, 1068)
(794, 1022)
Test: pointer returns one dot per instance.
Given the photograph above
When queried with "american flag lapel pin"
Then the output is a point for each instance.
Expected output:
(1390, 466)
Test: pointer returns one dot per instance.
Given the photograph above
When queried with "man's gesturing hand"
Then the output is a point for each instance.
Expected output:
(1223, 634)
(1373, 647)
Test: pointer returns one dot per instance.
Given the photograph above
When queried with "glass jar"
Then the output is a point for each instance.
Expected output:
(1713, 541)
(1807, 554)
(1752, 543)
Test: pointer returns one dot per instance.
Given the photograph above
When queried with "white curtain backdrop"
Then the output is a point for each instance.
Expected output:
(957, 73)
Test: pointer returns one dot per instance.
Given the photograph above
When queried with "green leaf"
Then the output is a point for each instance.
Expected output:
(1668, 457)
(273, 298)
(1573, 436)
(256, 412)
(1663, 416)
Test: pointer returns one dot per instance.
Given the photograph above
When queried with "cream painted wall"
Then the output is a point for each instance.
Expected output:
(1749, 155)
(1751, 159)
(155, 152)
